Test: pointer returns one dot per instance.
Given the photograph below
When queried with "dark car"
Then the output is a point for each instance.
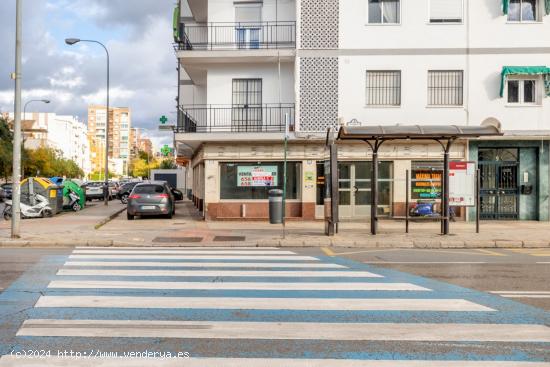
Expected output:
(151, 198)
(7, 187)
(125, 191)
(178, 195)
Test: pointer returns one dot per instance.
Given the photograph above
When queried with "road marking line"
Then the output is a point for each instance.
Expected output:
(245, 303)
(328, 251)
(220, 273)
(176, 248)
(203, 264)
(524, 296)
(196, 257)
(492, 253)
(289, 330)
(425, 262)
(92, 284)
(12, 361)
(520, 292)
(366, 251)
(184, 252)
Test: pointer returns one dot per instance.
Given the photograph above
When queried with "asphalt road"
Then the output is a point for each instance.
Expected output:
(276, 307)
(521, 274)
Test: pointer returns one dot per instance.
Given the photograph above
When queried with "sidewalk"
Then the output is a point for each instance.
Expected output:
(64, 229)
(188, 229)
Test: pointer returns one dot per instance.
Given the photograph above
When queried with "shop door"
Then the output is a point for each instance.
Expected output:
(246, 111)
(499, 189)
(354, 187)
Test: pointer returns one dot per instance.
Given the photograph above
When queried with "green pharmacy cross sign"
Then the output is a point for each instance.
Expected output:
(166, 150)
(163, 120)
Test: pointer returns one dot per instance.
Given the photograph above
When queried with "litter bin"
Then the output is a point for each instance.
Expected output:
(275, 206)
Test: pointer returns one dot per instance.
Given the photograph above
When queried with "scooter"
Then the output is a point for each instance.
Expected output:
(74, 202)
(41, 209)
(427, 209)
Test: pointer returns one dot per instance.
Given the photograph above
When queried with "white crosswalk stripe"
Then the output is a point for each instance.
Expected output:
(244, 280)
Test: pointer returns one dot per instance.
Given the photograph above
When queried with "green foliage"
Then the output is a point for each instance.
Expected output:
(168, 164)
(141, 166)
(45, 162)
(6, 149)
(49, 162)
(99, 176)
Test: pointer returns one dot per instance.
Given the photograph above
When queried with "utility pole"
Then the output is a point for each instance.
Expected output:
(16, 194)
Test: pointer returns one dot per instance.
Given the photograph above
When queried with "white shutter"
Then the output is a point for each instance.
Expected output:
(248, 13)
(446, 11)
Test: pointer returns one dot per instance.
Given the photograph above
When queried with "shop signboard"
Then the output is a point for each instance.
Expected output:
(462, 183)
(426, 184)
(257, 176)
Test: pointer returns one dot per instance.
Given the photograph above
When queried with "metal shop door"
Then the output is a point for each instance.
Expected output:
(499, 188)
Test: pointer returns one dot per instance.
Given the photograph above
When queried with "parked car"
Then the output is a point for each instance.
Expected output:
(7, 187)
(2, 195)
(151, 198)
(114, 187)
(178, 195)
(125, 191)
(94, 190)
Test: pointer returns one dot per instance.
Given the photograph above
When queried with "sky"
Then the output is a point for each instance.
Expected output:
(138, 34)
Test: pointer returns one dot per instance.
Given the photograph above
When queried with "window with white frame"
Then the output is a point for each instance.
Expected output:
(523, 91)
(523, 11)
(445, 87)
(446, 11)
(384, 11)
(383, 88)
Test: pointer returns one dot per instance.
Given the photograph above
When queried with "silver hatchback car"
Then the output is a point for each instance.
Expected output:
(151, 198)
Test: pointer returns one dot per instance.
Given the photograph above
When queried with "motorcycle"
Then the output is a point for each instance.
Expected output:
(428, 210)
(74, 202)
(41, 209)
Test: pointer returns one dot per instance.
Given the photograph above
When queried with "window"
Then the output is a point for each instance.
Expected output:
(252, 181)
(446, 11)
(248, 29)
(384, 88)
(246, 111)
(522, 91)
(445, 87)
(523, 11)
(384, 11)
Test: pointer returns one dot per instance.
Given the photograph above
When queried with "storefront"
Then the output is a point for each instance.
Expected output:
(514, 179)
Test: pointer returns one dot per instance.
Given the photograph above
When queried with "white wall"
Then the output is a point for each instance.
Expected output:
(484, 99)
(224, 10)
(489, 27)
(220, 79)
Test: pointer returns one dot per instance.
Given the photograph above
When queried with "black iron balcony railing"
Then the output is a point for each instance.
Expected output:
(237, 118)
(237, 36)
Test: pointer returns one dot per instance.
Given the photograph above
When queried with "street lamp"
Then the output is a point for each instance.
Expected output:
(46, 101)
(73, 41)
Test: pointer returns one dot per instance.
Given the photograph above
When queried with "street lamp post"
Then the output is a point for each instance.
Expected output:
(46, 101)
(16, 197)
(72, 41)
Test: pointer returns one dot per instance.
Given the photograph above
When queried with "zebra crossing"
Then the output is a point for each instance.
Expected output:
(265, 307)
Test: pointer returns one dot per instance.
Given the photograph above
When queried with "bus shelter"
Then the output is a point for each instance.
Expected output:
(445, 135)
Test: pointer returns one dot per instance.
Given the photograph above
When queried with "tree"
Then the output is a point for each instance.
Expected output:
(167, 164)
(6, 149)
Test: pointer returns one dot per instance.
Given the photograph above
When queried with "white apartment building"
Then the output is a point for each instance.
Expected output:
(248, 66)
(66, 134)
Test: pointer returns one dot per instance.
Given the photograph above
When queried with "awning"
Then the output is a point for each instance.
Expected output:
(416, 132)
(506, 6)
(525, 70)
(176, 24)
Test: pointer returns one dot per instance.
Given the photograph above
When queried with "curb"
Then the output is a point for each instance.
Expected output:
(290, 242)
(109, 218)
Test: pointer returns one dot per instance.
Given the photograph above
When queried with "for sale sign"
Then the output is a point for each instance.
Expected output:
(257, 176)
(462, 183)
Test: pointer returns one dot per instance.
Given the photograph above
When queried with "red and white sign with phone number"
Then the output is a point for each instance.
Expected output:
(462, 183)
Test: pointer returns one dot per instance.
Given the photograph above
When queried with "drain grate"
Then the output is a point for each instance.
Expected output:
(177, 239)
(229, 238)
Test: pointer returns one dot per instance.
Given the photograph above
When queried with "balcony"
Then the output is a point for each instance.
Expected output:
(237, 36)
(267, 118)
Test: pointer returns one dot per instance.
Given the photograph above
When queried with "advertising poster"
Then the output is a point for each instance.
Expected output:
(257, 176)
(426, 184)
(462, 183)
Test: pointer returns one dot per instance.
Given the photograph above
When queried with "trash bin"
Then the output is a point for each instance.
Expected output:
(275, 206)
